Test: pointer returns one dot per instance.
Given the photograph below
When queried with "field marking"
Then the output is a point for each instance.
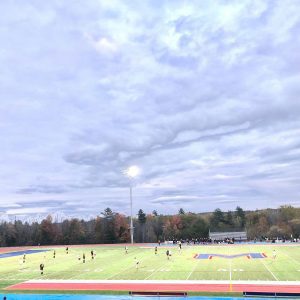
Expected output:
(132, 253)
(262, 261)
(230, 274)
(32, 259)
(119, 281)
(269, 270)
(297, 262)
(193, 270)
(107, 278)
(131, 267)
(156, 270)
(98, 270)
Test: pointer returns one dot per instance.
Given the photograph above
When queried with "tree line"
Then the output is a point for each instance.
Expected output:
(113, 227)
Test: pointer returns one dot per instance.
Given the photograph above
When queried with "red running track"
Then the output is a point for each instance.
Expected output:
(151, 287)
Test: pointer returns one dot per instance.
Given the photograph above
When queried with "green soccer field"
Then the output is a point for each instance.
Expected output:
(111, 262)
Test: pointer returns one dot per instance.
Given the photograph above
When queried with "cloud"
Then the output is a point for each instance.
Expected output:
(175, 199)
(26, 211)
(202, 96)
(42, 189)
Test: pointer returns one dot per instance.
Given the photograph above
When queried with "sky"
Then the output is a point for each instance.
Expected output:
(203, 96)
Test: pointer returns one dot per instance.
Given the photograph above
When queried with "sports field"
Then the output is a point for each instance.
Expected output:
(211, 262)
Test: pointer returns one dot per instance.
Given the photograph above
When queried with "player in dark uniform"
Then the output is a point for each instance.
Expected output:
(54, 254)
(168, 254)
(155, 250)
(137, 262)
(83, 258)
(42, 269)
(92, 254)
(67, 250)
(24, 258)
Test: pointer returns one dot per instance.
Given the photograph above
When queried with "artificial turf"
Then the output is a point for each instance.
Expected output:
(111, 262)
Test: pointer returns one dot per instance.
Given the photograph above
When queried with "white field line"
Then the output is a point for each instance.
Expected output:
(196, 264)
(261, 260)
(268, 269)
(37, 260)
(107, 278)
(156, 270)
(230, 275)
(119, 273)
(256, 282)
(127, 255)
(294, 260)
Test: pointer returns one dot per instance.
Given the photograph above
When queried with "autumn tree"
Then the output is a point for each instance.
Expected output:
(121, 228)
(47, 231)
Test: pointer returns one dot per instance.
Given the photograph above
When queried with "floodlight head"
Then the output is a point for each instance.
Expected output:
(133, 171)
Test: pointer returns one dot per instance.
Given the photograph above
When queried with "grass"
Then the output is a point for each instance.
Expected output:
(111, 262)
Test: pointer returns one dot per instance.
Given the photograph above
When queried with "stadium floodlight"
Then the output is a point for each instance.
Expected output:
(132, 172)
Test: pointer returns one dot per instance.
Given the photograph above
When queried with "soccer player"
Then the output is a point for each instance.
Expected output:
(67, 250)
(179, 245)
(126, 250)
(92, 254)
(24, 258)
(274, 254)
(83, 257)
(54, 253)
(42, 269)
(168, 253)
(136, 263)
(155, 250)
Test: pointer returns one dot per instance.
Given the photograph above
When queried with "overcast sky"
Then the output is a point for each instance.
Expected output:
(204, 96)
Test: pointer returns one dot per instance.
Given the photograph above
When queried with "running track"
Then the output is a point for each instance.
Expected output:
(160, 286)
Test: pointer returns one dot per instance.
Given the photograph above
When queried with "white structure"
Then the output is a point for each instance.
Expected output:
(238, 235)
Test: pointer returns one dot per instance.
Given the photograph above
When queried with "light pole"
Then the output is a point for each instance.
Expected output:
(131, 222)
(131, 172)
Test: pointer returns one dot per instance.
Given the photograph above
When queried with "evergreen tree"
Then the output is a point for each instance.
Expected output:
(181, 211)
(217, 218)
(141, 216)
(142, 220)
(229, 218)
(240, 217)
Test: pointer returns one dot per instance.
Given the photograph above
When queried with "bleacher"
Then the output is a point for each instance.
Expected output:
(237, 235)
